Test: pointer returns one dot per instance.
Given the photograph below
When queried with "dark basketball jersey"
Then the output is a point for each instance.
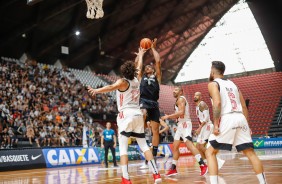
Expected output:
(149, 88)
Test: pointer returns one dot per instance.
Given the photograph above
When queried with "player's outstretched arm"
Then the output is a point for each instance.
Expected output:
(117, 85)
(139, 62)
(216, 105)
(158, 61)
(163, 124)
(181, 110)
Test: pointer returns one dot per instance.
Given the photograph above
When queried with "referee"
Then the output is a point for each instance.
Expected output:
(109, 141)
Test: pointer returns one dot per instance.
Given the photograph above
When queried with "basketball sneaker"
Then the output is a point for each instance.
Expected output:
(171, 172)
(220, 163)
(145, 166)
(204, 170)
(157, 178)
(125, 181)
(166, 158)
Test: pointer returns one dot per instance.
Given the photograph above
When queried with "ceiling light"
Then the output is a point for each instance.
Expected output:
(77, 33)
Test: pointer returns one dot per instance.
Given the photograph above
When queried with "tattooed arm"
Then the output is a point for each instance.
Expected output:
(216, 105)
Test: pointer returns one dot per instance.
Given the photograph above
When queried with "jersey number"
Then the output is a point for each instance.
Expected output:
(184, 125)
(134, 95)
(232, 100)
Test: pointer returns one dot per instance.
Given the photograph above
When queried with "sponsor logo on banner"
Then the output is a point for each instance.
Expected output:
(258, 143)
(70, 156)
(17, 159)
(164, 149)
(268, 143)
(183, 150)
(133, 154)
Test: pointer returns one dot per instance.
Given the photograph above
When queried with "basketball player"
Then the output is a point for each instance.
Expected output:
(231, 127)
(130, 118)
(205, 126)
(184, 130)
(149, 94)
(163, 128)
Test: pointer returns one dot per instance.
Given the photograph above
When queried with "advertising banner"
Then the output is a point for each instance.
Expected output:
(59, 157)
(15, 159)
(268, 143)
(183, 150)
(133, 154)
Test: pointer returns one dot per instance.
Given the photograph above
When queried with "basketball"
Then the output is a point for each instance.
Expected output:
(145, 43)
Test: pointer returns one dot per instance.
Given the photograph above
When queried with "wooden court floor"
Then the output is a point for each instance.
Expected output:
(236, 170)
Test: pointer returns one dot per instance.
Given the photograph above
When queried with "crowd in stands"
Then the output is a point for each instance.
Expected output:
(45, 106)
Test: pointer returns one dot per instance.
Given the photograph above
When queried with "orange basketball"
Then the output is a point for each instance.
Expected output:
(145, 43)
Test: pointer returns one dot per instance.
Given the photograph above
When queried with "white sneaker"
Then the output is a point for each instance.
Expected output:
(220, 163)
(145, 166)
(166, 158)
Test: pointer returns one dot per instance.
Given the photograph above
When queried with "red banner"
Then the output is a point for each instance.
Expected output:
(183, 150)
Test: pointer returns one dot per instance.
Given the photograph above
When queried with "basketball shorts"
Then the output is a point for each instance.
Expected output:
(234, 131)
(184, 131)
(130, 123)
(205, 133)
(152, 108)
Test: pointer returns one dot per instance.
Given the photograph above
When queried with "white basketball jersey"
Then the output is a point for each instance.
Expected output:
(230, 98)
(201, 116)
(186, 112)
(130, 97)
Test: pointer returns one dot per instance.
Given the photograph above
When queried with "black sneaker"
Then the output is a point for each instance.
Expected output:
(115, 165)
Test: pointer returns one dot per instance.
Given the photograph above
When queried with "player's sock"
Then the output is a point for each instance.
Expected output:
(153, 166)
(213, 179)
(155, 151)
(124, 169)
(261, 178)
(174, 163)
(199, 159)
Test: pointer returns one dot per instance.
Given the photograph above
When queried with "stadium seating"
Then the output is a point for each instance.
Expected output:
(263, 91)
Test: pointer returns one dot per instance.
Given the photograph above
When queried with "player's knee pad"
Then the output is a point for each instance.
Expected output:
(142, 144)
(123, 145)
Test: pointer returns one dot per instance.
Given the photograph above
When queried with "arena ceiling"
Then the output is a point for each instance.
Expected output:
(41, 29)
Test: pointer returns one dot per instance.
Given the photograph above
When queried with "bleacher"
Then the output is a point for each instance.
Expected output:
(263, 91)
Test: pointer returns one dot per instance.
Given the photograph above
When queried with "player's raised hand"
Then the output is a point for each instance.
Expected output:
(154, 43)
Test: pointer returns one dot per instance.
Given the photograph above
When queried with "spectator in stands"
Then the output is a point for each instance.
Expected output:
(266, 136)
(33, 97)
(274, 135)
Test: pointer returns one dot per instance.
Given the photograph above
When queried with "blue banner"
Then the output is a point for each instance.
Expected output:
(59, 157)
(162, 149)
(268, 143)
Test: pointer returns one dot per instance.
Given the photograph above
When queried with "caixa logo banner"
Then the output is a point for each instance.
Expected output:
(70, 156)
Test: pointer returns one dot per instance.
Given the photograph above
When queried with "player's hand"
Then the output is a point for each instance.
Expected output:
(216, 131)
(91, 91)
(164, 117)
(198, 131)
(140, 52)
(115, 145)
(154, 43)
(102, 145)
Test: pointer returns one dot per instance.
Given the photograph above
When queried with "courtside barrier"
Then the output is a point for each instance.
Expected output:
(133, 154)
(59, 157)
(21, 159)
(268, 143)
